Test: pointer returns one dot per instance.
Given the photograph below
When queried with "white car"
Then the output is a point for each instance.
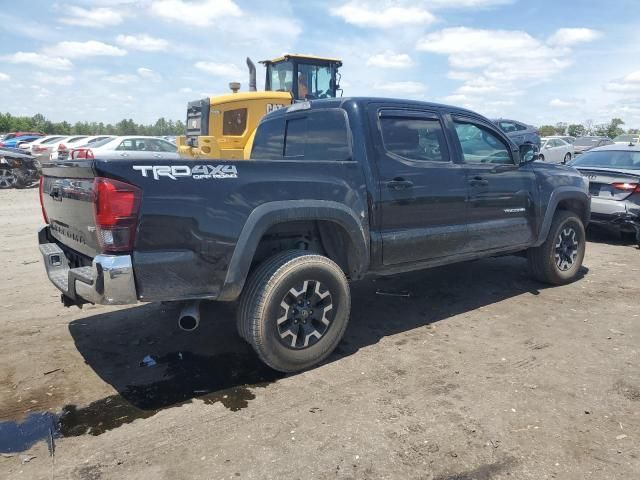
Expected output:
(41, 148)
(555, 150)
(131, 147)
(85, 141)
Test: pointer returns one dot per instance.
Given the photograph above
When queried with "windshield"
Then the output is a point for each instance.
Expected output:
(314, 81)
(619, 159)
(586, 141)
(281, 76)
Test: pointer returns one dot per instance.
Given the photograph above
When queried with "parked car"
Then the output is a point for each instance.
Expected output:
(555, 150)
(613, 172)
(12, 135)
(520, 133)
(584, 144)
(626, 139)
(364, 186)
(17, 170)
(64, 144)
(14, 142)
(64, 153)
(131, 147)
(566, 138)
(42, 147)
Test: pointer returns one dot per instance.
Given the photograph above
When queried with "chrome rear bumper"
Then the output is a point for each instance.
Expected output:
(108, 281)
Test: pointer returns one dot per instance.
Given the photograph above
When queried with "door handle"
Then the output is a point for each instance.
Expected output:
(399, 184)
(478, 182)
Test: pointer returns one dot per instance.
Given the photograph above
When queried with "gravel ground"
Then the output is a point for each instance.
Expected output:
(480, 373)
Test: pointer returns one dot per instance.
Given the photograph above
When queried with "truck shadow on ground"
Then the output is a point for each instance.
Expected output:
(153, 365)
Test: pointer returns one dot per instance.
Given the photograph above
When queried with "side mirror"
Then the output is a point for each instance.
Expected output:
(528, 152)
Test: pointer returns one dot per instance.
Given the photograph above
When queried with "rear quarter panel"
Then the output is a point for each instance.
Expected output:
(189, 225)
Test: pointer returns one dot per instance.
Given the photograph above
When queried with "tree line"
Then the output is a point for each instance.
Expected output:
(611, 129)
(38, 123)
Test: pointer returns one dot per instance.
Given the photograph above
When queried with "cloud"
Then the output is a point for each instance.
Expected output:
(390, 60)
(465, 3)
(142, 42)
(405, 87)
(40, 60)
(48, 79)
(220, 69)
(122, 78)
(95, 17)
(147, 73)
(4, 77)
(628, 84)
(558, 103)
(197, 13)
(500, 62)
(89, 48)
(566, 37)
(367, 15)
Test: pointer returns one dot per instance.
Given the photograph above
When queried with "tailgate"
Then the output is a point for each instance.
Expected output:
(67, 197)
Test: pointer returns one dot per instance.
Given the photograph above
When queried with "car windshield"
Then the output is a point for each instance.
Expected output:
(99, 143)
(622, 159)
(586, 141)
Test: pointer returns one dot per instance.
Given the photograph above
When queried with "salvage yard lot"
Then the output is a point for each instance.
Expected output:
(480, 373)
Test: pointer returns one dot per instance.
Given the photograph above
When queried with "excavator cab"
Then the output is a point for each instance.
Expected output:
(306, 77)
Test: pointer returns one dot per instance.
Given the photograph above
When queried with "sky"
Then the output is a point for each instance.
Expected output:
(538, 61)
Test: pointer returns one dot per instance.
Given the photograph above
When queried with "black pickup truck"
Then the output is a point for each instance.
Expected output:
(335, 190)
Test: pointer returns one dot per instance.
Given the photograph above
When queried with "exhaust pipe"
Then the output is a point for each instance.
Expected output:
(252, 75)
(189, 318)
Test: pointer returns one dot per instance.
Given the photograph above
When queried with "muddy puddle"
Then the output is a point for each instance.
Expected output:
(227, 379)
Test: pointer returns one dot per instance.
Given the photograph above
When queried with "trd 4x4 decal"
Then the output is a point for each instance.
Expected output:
(197, 172)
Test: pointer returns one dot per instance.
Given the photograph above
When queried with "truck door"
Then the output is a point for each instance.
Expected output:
(501, 208)
(422, 191)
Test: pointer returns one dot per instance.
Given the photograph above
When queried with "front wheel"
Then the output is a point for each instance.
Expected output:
(294, 310)
(559, 259)
(7, 178)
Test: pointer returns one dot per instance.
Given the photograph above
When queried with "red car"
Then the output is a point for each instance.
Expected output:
(9, 136)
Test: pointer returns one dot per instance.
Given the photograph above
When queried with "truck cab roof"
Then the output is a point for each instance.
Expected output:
(360, 102)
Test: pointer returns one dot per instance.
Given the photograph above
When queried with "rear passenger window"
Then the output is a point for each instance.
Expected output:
(269, 140)
(319, 135)
(420, 139)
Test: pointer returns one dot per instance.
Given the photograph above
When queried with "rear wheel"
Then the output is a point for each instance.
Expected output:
(7, 178)
(541, 157)
(559, 259)
(294, 310)
(567, 158)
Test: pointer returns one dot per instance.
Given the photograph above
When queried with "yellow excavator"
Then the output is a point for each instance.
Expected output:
(224, 126)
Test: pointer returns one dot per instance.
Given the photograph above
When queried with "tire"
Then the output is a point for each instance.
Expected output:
(541, 157)
(7, 178)
(567, 158)
(559, 259)
(287, 335)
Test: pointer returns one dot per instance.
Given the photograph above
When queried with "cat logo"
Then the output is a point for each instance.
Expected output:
(272, 107)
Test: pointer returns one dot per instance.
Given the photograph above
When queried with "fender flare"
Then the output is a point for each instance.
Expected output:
(557, 196)
(269, 214)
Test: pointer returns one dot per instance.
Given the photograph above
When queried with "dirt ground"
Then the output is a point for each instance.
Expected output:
(480, 373)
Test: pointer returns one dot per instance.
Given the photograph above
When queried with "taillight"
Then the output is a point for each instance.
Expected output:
(86, 153)
(625, 186)
(41, 188)
(62, 146)
(116, 205)
(38, 149)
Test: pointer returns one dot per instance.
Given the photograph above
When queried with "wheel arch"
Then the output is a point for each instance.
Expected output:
(565, 198)
(343, 233)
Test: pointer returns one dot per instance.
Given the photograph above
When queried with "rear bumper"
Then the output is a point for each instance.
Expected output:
(619, 214)
(108, 281)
